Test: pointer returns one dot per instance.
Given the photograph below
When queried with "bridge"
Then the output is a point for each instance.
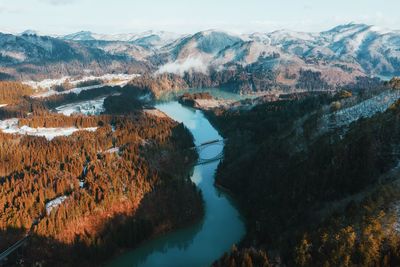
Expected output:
(200, 161)
(202, 146)
(17, 245)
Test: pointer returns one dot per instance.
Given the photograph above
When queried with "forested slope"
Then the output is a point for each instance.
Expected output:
(312, 197)
(84, 197)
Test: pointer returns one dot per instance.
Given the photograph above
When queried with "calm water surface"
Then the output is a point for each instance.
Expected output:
(222, 225)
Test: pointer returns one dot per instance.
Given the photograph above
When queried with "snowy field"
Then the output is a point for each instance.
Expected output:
(48, 83)
(366, 109)
(112, 150)
(54, 204)
(11, 126)
(90, 107)
(108, 79)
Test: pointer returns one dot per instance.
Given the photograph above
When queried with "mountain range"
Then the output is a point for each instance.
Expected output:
(334, 57)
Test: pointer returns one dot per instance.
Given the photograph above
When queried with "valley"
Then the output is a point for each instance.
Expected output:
(255, 149)
(280, 131)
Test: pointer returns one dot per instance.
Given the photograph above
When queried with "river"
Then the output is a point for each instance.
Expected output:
(222, 225)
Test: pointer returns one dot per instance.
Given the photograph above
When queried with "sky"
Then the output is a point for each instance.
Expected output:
(239, 16)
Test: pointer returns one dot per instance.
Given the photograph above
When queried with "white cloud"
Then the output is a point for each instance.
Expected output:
(181, 66)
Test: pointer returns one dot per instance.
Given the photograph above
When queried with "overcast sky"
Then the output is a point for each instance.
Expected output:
(186, 16)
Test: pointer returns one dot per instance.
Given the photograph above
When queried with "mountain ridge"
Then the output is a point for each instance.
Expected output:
(340, 54)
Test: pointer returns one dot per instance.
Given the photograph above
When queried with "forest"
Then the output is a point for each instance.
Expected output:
(118, 185)
(189, 99)
(311, 197)
(13, 92)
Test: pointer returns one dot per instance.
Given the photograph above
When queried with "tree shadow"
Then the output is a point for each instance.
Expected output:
(168, 207)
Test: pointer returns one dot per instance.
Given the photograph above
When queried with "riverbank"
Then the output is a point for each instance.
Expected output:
(110, 200)
(221, 227)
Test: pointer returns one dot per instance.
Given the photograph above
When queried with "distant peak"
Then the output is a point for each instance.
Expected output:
(81, 35)
(348, 26)
(29, 32)
(84, 32)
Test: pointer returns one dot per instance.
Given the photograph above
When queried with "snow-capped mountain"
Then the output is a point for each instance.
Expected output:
(146, 39)
(352, 46)
(30, 55)
(375, 50)
(339, 54)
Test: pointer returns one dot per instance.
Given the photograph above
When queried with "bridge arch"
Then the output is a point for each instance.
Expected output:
(200, 148)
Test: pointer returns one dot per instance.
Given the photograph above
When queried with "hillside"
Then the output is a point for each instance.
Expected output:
(82, 187)
(312, 196)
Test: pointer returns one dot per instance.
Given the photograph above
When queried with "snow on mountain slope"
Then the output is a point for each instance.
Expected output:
(146, 39)
(36, 49)
(124, 49)
(346, 50)
(246, 53)
(366, 109)
(196, 52)
(206, 42)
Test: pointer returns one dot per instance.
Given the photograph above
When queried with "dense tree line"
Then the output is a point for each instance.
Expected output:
(394, 83)
(311, 80)
(365, 84)
(62, 99)
(130, 100)
(364, 234)
(24, 108)
(114, 200)
(50, 120)
(285, 173)
(27, 105)
(190, 99)
(13, 92)
(249, 257)
(89, 83)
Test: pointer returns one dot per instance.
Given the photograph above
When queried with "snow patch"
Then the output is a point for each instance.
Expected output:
(107, 79)
(10, 126)
(54, 204)
(112, 150)
(365, 109)
(20, 56)
(90, 107)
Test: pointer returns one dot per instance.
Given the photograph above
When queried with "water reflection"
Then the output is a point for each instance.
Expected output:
(222, 226)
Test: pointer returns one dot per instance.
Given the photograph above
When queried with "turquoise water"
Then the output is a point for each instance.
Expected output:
(222, 225)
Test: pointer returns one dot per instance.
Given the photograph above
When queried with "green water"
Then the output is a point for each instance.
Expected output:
(222, 225)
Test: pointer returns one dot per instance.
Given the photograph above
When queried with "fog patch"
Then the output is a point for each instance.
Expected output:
(181, 66)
